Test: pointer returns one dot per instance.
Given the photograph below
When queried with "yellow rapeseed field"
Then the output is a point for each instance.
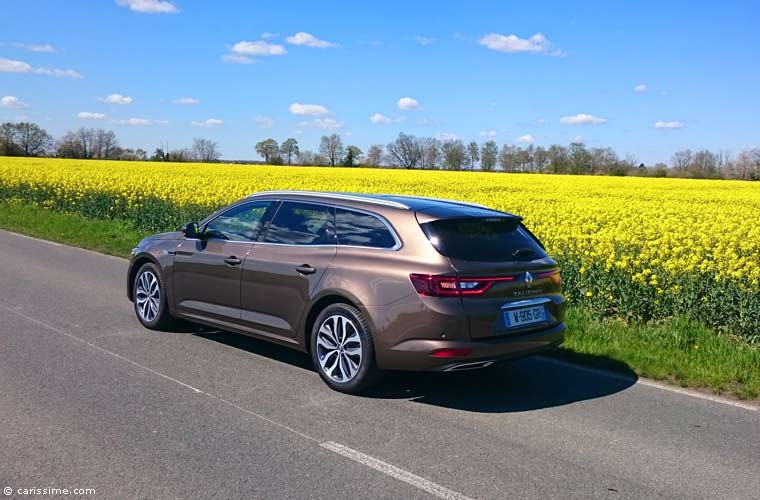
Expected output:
(648, 237)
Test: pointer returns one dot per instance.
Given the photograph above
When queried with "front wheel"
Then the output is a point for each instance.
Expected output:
(342, 349)
(149, 296)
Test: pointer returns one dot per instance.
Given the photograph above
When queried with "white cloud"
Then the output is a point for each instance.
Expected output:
(640, 88)
(663, 92)
(236, 59)
(209, 123)
(488, 133)
(258, 48)
(309, 40)
(582, 119)
(12, 102)
(425, 40)
(513, 44)
(541, 120)
(526, 139)
(140, 122)
(446, 136)
(327, 123)
(307, 109)
(86, 115)
(116, 99)
(577, 138)
(670, 124)
(266, 35)
(263, 121)
(36, 47)
(186, 101)
(380, 119)
(11, 66)
(407, 103)
(149, 6)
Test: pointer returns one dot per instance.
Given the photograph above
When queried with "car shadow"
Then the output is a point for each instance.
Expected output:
(516, 386)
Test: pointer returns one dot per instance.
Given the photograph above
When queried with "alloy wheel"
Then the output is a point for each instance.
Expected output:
(339, 348)
(147, 296)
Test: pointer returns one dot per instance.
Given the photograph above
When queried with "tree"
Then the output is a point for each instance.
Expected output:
(579, 158)
(353, 155)
(488, 156)
(431, 152)
(374, 155)
(558, 159)
(508, 158)
(289, 149)
(76, 144)
(104, 145)
(269, 150)
(331, 146)
(454, 154)
(24, 139)
(32, 139)
(704, 164)
(681, 160)
(473, 154)
(540, 158)
(205, 150)
(306, 157)
(405, 151)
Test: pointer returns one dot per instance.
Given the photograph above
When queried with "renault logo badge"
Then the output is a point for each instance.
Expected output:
(528, 279)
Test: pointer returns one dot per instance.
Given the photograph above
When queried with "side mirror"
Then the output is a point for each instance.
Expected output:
(190, 230)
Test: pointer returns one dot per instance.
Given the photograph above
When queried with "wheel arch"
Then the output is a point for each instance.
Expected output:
(139, 261)
(327, 299)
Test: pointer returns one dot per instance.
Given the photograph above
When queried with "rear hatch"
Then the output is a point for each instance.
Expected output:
(507, 283)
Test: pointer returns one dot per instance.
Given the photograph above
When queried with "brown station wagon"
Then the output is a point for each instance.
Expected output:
(363, 283)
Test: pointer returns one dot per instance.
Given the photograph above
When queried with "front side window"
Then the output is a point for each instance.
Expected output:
(363, 230)
(241, 223)
(301, 224)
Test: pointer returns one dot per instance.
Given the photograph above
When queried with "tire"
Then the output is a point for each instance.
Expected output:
(151, 307)
(346, 361)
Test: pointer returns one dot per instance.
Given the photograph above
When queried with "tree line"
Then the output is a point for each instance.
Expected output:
(405, 151)
(29, 139)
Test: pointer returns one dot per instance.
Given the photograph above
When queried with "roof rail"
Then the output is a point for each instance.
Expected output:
(339, 196)
(446, 200)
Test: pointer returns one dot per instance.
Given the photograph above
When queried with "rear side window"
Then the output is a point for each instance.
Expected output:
(362, 230)
(491, 239)
(301, 224)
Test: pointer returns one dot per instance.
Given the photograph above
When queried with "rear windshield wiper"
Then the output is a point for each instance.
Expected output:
(523, 252)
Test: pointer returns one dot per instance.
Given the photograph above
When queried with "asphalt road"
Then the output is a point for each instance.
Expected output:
(90, 399)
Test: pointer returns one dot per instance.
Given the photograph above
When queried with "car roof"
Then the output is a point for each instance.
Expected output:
(433, 208)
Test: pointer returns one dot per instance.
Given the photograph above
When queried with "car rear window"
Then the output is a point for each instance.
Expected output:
(362, 230)
(490, 239)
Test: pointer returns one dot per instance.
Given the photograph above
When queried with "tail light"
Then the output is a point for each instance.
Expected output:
(554, 275)
(450, 286)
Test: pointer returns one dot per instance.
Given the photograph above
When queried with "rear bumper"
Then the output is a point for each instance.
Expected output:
(414, 354)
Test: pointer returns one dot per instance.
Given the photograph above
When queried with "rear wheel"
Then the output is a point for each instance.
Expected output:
(149, 297)
(342, 349)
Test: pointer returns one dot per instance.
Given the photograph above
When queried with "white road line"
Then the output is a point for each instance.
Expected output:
(652, 383)
(395, 472)
(374, 463)
(154, 372)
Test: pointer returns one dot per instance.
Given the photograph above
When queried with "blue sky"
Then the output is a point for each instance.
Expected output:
(517, 72)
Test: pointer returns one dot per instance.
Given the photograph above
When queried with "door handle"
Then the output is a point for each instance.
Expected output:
(306, 269)
(233, 261)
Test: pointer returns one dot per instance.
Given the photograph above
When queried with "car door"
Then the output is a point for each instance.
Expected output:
(207, 270)
(285, 266)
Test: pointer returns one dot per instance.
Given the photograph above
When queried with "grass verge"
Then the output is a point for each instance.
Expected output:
(109, 237)
(680, 350)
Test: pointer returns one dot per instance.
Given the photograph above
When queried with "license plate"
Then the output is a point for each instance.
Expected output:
(524, 316)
